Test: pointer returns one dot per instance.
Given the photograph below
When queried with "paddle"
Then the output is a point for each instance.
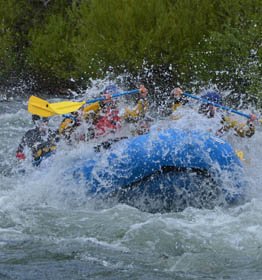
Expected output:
(42, 108)
(38, 106)
(217, 105)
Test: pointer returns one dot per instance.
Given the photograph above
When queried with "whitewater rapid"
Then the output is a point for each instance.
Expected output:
(49, 230)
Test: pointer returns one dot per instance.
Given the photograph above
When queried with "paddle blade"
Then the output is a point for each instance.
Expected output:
(66, 107)
(40, 107)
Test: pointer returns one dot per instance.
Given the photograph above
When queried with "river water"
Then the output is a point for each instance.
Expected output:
(48, 230)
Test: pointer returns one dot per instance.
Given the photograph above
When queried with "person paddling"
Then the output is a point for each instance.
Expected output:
(177, 98)
(138, 115)
(100, 118)
(71, 122)
(241, 129)
(141, 107)
(246, 129)
(207, 109)
(107, 119)
(106, 116)
(40, 140)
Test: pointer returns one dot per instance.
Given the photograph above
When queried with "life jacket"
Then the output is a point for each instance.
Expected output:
(44, 151)
(67, 126)
(39, 142)
(93, 108)
(241, 129)
(138, 112)
(109, 121)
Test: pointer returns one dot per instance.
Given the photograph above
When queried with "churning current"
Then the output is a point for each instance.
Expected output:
(49, 230)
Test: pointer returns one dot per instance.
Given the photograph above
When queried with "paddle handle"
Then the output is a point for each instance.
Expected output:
(113, 96)
(217, 105)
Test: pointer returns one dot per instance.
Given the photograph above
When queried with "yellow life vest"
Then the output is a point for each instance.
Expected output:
(229, 122)
(241, 129)
(175, 106)
(66, 125)
(91, 111)
(92, 107)
(138, 111)
(44, 151)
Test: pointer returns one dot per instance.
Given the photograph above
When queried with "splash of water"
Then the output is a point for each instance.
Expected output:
(46, 223)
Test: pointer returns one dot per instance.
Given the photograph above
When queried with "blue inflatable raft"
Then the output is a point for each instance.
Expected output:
(165, 170)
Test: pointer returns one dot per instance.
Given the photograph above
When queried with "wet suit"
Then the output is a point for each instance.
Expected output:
(41, 143)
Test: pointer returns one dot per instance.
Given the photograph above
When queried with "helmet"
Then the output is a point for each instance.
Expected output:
(35, 118)
(213, 96)
(111, 89)
(45, 120)
(209, 109)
